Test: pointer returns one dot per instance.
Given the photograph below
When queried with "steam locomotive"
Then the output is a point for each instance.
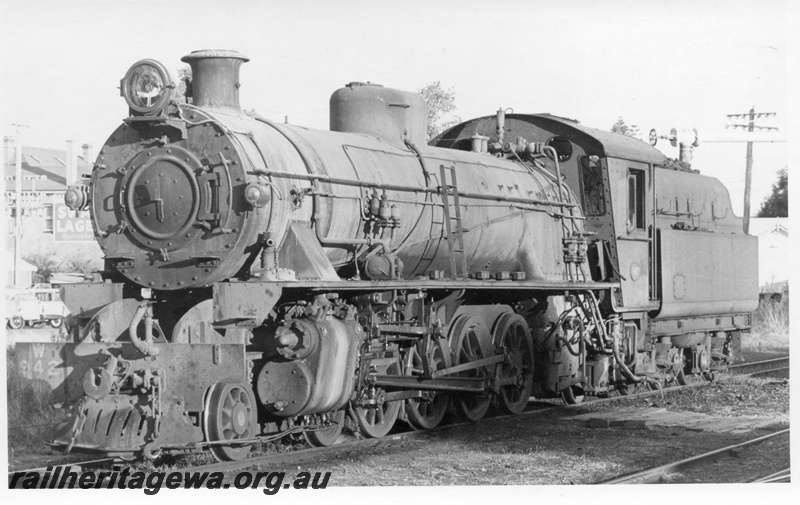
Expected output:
(266, 279)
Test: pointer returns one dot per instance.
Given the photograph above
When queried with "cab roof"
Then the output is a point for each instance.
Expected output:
(601, 142)
(614, 145)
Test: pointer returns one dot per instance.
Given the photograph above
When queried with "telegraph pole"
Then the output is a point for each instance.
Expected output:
(17, 204)
(751, 127)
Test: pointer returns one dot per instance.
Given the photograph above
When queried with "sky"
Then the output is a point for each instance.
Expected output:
(658, 64)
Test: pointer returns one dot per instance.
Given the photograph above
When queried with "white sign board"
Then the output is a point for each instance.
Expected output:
(71, 226)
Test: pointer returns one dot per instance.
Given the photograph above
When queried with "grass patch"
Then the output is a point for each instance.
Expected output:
(167, 462)
(770, 333)
(772, 320)
(30, 413)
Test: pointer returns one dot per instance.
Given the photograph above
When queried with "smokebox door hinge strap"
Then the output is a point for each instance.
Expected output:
(209, 197)
(213, 195)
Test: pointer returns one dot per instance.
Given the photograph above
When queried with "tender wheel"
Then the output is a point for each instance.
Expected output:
(375, 422)
(426, 414)
(572, 395)
(684, 376)
(324, 438)
(695, 378)
(683, 369)
(681, 377)
(469, 339)
(511, 333)
(626, 389)
(230, 414)
(16, 322)
(56, 323)
(675, 372)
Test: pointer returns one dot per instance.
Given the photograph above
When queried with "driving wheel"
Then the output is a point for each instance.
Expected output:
(229, 415)
(470, 340)
(512, 335)
(375, 421)
(424, 414)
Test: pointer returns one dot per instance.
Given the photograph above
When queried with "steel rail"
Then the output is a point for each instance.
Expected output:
(77, 465)
(309, 454)
(760, 367)
(655, 474)
(784, 475)
(301, 455)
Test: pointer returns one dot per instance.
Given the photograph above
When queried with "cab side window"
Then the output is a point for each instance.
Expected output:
(594, 202)
(636, 199)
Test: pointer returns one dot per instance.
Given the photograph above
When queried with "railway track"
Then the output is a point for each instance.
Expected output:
(77, 466)
(661, 473)
(310, 454)
(784, 475)
(765, 367)
(304, 455)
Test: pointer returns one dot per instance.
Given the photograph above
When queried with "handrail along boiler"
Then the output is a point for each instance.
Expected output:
(263, 279)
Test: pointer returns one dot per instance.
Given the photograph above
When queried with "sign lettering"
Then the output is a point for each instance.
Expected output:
(69, 228)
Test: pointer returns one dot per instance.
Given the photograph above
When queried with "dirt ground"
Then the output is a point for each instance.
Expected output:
(729, 396)
(545, 448)
(769, 457)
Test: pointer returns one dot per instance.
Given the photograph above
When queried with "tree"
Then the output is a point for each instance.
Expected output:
(48, 262)
(621, 127)
(777, 204)
(440, 102)
(185, 81)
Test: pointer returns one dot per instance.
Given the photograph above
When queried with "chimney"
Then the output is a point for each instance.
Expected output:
(70, 169)
(87, 153)
(215, 77)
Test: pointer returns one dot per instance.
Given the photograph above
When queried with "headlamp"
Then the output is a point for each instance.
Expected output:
(77, 197)
(147, 87)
